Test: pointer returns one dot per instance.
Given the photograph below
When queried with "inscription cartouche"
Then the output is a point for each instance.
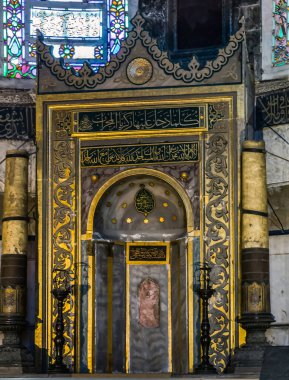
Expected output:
(99, 156)
(141, 119)
(148, 253)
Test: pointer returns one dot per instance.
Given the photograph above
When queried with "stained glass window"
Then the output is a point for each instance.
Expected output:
(280, 51)
(78, 30)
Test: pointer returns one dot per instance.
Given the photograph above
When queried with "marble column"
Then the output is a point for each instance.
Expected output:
(14, 258)
(255, 316)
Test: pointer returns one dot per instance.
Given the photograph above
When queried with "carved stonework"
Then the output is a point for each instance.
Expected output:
(217, 245)
(62, 122)
(216, 113)
(63, 235)
(17, 97)
(270, 86)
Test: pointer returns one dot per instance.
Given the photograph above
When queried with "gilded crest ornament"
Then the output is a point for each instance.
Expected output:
(144, 201)
(139, 71)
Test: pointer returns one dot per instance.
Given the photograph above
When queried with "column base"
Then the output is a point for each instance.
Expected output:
(208, 369)
(58, 368)
(14, 357)
(249, 358)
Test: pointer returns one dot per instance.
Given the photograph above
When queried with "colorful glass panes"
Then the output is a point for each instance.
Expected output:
(66, 51)
(89, 31)
(118, 24)
(98, 52)
(280, 54)
(15, 65)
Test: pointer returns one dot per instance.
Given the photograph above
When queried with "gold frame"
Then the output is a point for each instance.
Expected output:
(47, 105)
(147, 243)
(140, 104)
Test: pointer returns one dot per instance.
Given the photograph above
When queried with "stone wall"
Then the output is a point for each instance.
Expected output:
(251, 10)
(278, 195)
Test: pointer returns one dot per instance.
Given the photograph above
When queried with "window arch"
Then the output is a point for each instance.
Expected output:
(78, 30)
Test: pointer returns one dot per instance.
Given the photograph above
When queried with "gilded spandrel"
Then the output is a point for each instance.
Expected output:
(139, 154)
(142, 119)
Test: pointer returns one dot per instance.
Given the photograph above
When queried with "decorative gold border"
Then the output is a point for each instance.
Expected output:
(147, 262)
(127, 322)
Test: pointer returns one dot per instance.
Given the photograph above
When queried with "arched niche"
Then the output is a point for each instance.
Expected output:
(147, 209)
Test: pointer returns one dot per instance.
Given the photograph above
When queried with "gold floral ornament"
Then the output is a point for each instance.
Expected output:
(144, 201)
(139, 71)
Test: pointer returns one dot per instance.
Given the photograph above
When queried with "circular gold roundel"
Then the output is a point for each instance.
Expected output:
(139, 71)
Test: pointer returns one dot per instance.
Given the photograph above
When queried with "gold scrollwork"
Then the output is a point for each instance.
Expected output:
(216, 245)
(63, 124)
(63, 235)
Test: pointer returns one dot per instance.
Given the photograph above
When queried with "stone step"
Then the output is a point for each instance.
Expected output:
(131, 377)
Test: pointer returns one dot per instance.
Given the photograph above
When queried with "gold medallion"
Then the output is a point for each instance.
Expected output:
(139, 71)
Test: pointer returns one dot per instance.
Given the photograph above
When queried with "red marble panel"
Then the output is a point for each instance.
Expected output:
(149, 303)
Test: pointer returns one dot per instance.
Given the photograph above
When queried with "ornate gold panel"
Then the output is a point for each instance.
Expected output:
(59, 191)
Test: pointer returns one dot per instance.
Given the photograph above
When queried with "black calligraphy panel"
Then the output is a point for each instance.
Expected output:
(148, 253)
(139, 154)
(273, 109)
(142, 119)
(17, 123)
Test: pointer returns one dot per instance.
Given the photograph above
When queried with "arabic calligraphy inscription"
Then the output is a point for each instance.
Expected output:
(273, 109)
(148, 253)
(17, 123)
(144, 201)
(141, 119)
(99, 156)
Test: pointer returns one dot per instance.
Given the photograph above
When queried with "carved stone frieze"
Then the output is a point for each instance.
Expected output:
(17, 97)
(270, 86)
